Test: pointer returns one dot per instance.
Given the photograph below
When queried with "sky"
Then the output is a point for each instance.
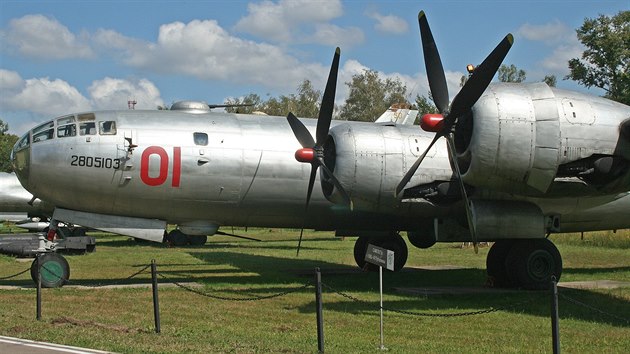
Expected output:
(65, 56)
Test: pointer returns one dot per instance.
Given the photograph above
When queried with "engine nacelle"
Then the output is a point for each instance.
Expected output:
(370, 160)
(517, 138)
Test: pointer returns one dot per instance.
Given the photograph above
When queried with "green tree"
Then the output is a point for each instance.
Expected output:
(251, 99)
(304, 103)
(425, 105)
(6, 144)
(369, 96)
(606, 61)
(511, 73)
(550, 80)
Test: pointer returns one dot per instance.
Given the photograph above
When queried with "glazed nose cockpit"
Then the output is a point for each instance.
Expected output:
(20, 158)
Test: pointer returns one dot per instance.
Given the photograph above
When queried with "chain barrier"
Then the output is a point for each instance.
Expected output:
(16, 275)
(218, 297)
(340, 293)
(421, 314)
(579, 303)
(98, 285)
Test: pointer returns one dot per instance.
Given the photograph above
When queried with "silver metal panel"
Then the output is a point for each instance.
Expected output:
(146, 229)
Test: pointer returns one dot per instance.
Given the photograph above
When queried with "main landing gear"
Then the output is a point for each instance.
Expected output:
(528, 264)
(393, 242)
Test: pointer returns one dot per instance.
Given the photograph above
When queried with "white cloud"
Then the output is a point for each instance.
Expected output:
(389, 23)
(560, 38)
(44, 98)
(111, 93)
(336, 36)
(204, 50)
(40, 95)
(277, 21)
(37, 36)
(549, 33)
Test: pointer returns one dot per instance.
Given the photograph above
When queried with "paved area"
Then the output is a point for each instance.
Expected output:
(24, 346)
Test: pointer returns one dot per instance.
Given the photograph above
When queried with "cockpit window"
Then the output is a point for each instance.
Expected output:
(86, 116)
(43, 132)
(201, 139)
(87, 128)
(107, 127)
(23, 143)
(66, 127)
(65, 120)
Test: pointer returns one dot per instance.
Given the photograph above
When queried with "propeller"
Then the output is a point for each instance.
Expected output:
(312, 150)
(462, 103)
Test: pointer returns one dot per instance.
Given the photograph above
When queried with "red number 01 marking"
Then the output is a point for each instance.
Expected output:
(163, 172)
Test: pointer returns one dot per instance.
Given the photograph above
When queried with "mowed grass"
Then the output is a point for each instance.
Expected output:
(121, 320)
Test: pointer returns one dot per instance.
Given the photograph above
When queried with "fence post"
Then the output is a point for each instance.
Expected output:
(39, 287)
(555, 318)
(319, 306)
(156, 305)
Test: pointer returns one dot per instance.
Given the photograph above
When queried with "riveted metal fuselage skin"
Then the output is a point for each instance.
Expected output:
(244, 175)
(202, 169)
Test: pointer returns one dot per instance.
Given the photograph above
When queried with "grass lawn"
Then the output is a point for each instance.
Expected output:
(121, 320)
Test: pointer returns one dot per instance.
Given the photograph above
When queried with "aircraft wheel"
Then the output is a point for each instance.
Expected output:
(397, 244)
(495, 262)
(420, 239)
(55, 271)
(360, 248)
(197, 240)
(177, 238)
(531, 263)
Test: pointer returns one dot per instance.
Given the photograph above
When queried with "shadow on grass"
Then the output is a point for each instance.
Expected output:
(348, 279)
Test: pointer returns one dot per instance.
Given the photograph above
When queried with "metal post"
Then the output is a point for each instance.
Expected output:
(320, 314)
(156, 305)
(39, 288)
(380, 276)
(555, 318)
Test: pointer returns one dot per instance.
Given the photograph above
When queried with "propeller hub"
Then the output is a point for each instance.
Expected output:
(432, 122)
(306, 155)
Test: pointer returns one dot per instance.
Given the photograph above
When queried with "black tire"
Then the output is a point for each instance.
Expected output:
(177, 238)
(360, 248)
(396, 244)
(197, 240)
(55, 270)
(531, 263)
(420, 239)
(496, 263)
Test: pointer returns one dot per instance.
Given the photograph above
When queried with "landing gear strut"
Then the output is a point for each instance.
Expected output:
(393, 243)
(52, 267)
(528, 264)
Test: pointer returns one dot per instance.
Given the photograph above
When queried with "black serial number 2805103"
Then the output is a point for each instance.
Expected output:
(98, 162)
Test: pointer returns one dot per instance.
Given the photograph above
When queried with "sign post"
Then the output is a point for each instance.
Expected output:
(382, 258)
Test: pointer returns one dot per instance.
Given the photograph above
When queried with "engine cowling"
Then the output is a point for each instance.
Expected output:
(519, 138)
(511, 139)
(369, 160)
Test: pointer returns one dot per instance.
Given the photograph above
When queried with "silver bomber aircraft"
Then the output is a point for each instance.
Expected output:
(517, 163)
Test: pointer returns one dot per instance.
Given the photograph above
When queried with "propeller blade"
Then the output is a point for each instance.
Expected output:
(467, 202)
(309, 192)
(336, 182)
(328, 101)
(301, 133)
(480, 79)
(403, 182)
(433, 64)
